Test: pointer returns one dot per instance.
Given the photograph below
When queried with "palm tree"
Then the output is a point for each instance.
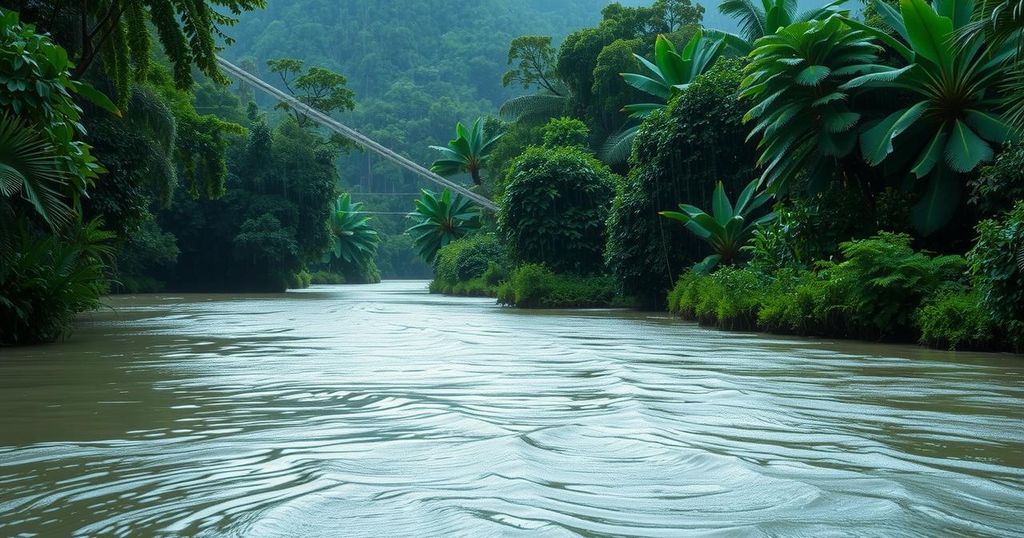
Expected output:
(757, 21)
(955, 115)
(802, 117)
(466, 154)
(728, 228)
(670, 73)
(353, 240)
(441, 220)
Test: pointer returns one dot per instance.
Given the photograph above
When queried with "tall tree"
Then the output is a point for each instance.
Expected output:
(321, 89)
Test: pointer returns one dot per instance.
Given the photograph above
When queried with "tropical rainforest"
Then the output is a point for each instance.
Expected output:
(844, 169)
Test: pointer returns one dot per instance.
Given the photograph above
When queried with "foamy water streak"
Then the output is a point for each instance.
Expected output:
(383, 411)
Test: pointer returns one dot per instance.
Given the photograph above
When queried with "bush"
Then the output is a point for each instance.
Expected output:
(792, 304)
(565, 132)
(678, 155)
(321, 278)
(535, 286)
(300, 280)
(956, 318)
(468, 258)
(729, 298)
(554, 209)
(365, 273)
(997, 267)
(495, 274)
(45, 280)
(1000, 185)
(876, 290)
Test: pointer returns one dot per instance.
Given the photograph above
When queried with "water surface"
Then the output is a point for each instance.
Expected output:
(384, 411)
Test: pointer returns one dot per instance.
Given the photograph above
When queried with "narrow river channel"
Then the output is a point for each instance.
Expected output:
(385, 411)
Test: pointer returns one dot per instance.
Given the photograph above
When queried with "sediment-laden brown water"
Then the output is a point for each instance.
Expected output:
(384, 411)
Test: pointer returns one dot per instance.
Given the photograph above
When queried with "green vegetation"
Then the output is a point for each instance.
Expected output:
(997, 265)
(439, 220)
(881, 289)
(672, 72)
(535, 286)
(51, 261)
(353, 243)
(677, 156)
(886, 144)
(466, 154)
(729, 228)
(761, 21)
(473, 266)
(554, 208)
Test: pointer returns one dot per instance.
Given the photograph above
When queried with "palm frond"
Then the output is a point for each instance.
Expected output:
(533, 107)
(31, 166)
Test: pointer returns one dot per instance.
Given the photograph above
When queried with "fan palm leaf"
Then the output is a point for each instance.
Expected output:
(353, 239)
(466, 153)
(439, 220)
(31, 167)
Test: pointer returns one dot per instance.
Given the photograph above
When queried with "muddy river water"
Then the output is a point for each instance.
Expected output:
(385, 411)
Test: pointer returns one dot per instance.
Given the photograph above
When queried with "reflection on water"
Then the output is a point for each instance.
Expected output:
(384, 411)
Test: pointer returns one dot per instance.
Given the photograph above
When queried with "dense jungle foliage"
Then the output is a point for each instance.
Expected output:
(848, 170)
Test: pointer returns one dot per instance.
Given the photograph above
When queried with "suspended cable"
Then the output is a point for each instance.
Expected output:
(352, 134)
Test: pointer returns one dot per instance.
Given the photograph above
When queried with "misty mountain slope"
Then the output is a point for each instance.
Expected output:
(418, 66)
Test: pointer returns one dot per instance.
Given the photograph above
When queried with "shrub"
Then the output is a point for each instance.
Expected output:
(472, 288)
(876, 290)
(300, 280)
(1000, 185)
(321, 278)
(729, 298)
(45, 280)
(677, 155)
(792, 303)
(565, 132)
(956, 318)
(495, 274)
(997, 267)
(554, 209)
(535, 286)
(468, 258)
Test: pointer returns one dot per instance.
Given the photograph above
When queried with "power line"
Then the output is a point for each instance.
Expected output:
(352, 134)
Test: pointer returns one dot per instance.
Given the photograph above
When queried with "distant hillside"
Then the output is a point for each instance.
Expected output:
(416, 66)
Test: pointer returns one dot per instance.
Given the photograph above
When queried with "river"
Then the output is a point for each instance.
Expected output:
(386, 411)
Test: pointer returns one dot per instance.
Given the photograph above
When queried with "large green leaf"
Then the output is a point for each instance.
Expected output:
(929, 32)
(965, 150)
(647, 85)
(932, 154)
(720, 206)
(876, 142)
(812, 75)
(959, 11)
(941, 198)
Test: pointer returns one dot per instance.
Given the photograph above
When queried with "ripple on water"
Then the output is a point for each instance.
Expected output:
(384, 411)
